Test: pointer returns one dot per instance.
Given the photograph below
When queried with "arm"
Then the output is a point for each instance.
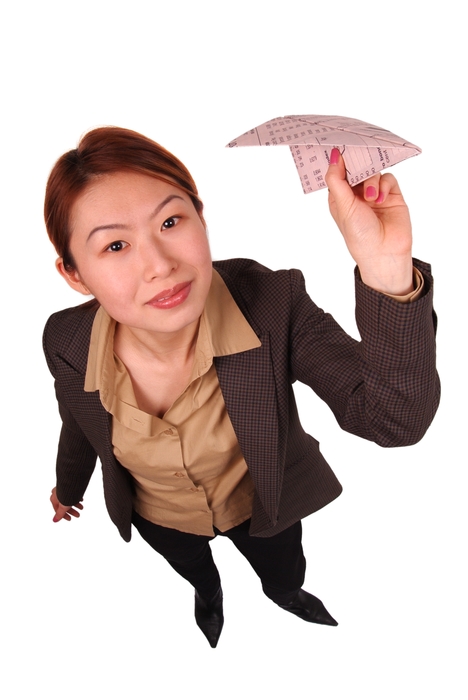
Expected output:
(76, 458)
(383, 389)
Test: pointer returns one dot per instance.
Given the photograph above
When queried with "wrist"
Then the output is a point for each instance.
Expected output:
(394, 277)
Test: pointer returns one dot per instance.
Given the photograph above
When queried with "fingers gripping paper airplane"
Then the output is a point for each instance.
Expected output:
(366, 149)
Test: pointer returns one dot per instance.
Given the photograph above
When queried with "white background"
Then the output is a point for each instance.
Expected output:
(86, 615)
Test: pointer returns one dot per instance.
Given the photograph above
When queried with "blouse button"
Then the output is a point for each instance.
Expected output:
(169, 431)
(179, 475)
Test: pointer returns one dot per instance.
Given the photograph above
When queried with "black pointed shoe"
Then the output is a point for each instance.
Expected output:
(209, 616)
(309, 608)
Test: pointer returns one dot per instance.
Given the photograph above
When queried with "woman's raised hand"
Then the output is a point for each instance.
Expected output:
(376, 226)
(63, 512)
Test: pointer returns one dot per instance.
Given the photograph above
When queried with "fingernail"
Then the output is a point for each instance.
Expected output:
(380, 198)
(54, 519)
(334, 156)
(371, 192)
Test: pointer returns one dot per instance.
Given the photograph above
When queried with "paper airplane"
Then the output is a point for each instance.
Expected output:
(366, 149)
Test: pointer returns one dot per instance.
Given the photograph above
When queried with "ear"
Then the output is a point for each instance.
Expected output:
(72, 278)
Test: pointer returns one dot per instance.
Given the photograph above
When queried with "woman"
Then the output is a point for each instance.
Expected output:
(178, 374)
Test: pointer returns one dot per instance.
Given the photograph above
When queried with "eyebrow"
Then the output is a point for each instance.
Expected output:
(120, 227)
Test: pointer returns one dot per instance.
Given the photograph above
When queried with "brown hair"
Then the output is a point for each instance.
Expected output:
(103, 151)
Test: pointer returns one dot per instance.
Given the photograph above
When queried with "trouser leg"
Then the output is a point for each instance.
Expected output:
(278, 561)
(189, 555)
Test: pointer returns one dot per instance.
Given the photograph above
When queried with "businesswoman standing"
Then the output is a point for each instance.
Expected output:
(178, 373)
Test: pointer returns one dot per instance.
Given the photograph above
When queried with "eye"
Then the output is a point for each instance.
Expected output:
(170, 222)
(116, 246)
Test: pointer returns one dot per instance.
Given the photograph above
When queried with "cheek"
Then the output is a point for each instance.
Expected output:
(195, 251)
(206, 264)
(106, 287)
(203, 251)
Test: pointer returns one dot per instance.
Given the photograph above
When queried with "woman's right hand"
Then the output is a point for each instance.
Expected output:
(61, 511)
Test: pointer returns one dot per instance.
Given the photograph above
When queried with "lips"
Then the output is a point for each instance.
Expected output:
(169, 298)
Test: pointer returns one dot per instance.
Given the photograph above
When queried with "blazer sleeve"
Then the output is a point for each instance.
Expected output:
(384, 388)
(76, 458)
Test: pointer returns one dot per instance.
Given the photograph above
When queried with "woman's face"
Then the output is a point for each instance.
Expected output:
(141, 249)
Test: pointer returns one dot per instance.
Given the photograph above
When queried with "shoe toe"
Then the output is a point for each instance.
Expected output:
(209, 617)
(309, 608)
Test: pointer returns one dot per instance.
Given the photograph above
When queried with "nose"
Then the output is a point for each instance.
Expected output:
(157, 260)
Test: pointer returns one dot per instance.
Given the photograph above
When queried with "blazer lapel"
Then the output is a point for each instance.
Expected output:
(249, 390)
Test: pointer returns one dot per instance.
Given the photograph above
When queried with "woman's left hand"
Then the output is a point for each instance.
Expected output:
(376, 226)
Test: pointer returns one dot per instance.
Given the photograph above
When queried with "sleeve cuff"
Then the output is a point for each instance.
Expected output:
(418, 281)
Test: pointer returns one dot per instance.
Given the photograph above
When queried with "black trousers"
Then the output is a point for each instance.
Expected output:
(278, 561)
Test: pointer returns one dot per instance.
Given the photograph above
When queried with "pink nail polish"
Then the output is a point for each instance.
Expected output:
(371, 192)
(334, 156)
(380, 198)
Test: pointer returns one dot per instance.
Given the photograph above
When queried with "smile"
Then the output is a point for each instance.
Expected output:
(169, 298)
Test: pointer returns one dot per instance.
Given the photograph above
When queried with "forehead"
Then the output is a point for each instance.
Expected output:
(122, 194)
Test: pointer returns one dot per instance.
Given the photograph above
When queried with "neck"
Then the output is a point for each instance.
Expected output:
(163, 347)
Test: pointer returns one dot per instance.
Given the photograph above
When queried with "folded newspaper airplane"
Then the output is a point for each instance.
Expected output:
(366, 149)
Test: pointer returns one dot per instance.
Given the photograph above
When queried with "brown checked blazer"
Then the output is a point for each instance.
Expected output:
(384, 388)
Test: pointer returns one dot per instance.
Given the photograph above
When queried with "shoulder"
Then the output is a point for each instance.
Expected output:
(67, 334)
(246, 277)
(64, 325)
(244, 270)
(266, 297)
